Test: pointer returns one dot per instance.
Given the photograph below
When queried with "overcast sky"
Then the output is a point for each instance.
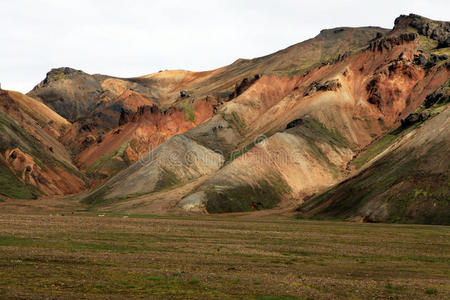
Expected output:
(131, 38)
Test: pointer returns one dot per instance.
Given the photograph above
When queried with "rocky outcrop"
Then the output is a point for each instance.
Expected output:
(414, 118)
(428, 62)
(388, 97)
(294, 123)
(42, 178)
(194, 203)
(436, 30)
(128, 115)
(89, 140)
(59, 73)
(440, 96)
(390, 42)
(420, 59)
(184, 94)
(243, 86)
(329, 85)
(435, 59)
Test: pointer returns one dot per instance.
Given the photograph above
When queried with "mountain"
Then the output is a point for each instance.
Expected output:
(33, 161)
(109, 114)
(405, 177)
(343, 125)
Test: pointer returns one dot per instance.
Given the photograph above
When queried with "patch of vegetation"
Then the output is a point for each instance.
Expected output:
(263, 195)
(424, 198)
(441, 51)
(237, 153)
(189, 112)
(319, 154)
(167, 180)
(64, 244)
(105, 158)
(11, 186)
(69, 169)
(194, 281)
(389, 139)
(164, 108)
(411, 195)
(350, 195)
(427, 43)
(313, 131)
(96, 197)
(301, 69)
(18, 137)
(377, 148)
(431, 291)
(234, 120)
(111, 167)
(157, 278)
(390, 288)
(56, 74)
(335, 136)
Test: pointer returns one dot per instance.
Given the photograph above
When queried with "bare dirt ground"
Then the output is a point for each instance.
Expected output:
(44, 254)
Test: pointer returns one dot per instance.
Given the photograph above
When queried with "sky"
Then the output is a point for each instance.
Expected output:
(136, 37)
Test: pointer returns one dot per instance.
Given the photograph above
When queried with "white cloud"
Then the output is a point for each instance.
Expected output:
(130, 38)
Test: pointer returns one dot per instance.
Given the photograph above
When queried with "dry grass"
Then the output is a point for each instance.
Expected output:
(82, 256)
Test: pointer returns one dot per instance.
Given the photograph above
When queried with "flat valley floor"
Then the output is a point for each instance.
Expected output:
(219, 257)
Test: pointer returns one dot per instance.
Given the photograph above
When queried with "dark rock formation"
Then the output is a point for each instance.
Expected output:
(89, 127)
(437, 58)
(329, 85)
(60, 73)
(184, 94)
(374, 99)
(243, 86)
(388, 42)
(126, 116)
(440, 96)
(295, 123)
(419, 59)
(436, 30)
(89, 140)
(414, 118)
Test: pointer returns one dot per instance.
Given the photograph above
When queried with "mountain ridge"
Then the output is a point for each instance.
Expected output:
(310, 114)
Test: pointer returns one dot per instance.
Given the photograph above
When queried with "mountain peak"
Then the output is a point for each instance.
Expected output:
(435, 30)
(409, 18)
(59, 73)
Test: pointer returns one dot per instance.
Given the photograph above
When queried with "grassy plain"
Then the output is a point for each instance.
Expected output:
(220, 257)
